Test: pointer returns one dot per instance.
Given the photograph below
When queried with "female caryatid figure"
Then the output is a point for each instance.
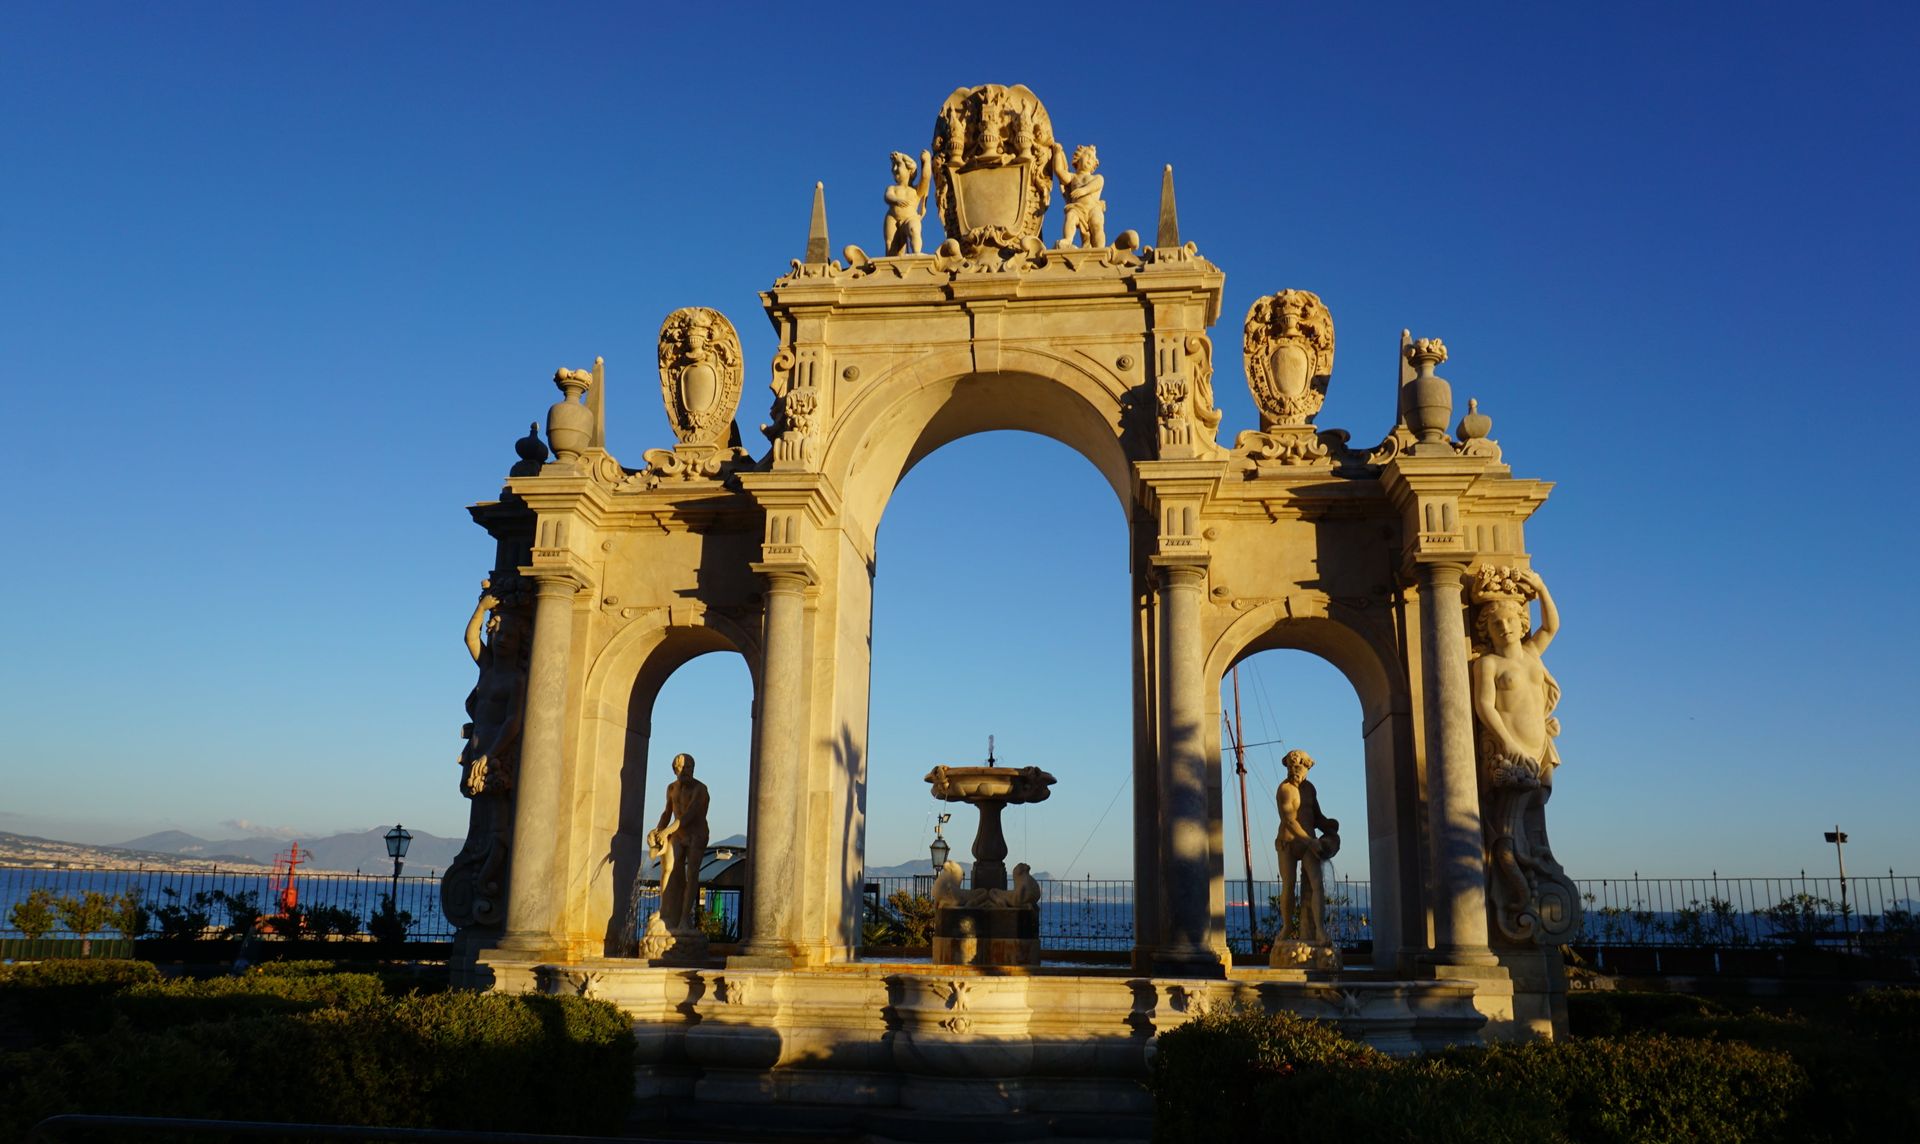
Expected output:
(1513, 700)
(907, 203)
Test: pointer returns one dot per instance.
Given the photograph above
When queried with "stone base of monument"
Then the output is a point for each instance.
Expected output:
(661, 946)
(1290, 954)
(964, 1041)
(986, 935)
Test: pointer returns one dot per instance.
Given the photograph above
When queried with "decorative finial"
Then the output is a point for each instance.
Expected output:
(532, 452)
(597, 401)
(1475, 425)
(569, 423)
(1169, 215)
(990, 761)
(817, 230)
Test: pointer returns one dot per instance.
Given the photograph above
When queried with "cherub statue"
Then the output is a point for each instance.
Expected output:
(1084, 208)
(907, 203)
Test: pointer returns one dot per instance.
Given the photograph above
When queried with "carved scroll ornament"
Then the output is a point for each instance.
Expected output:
(1288, 344)
(993, 158)
(700, 375)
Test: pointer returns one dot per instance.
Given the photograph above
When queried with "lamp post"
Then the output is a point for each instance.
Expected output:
(397, 840)
(939, 850)
(1839, 839)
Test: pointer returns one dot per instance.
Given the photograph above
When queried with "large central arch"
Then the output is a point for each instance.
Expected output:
(1287, 537)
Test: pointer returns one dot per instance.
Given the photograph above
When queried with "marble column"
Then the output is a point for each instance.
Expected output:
(1453, 791)
(536, 885)
(1184, 848)
(773, 842)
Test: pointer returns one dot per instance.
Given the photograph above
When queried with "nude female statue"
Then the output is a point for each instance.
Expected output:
(906, 203)
(1513, 701)
(494, 704)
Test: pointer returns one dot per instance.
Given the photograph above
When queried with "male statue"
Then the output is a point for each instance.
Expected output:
(680, 842)
(1298, 847)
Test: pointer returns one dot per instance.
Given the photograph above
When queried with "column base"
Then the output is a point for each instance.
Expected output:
(1466, 956)
(532, 947)
(763, 957)
(1186, 961)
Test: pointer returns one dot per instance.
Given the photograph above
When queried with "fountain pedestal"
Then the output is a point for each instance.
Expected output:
(989, 923)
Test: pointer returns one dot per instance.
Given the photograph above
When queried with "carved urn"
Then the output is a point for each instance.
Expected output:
(1427, 401)
(569, 423)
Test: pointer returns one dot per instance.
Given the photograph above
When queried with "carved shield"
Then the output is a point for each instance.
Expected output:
(992, 154)
(1288, 350)
(700, 374)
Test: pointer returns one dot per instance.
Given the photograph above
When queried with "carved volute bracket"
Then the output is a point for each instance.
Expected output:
(700, 376)
(1288, 345)
(993, 166)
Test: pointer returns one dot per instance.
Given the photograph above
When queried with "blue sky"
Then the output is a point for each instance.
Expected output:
(282, 285)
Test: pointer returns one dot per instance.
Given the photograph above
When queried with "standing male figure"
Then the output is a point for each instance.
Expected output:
(680, 842)
(1297, 846)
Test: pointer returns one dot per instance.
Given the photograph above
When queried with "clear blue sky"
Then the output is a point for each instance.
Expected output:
(282, 285)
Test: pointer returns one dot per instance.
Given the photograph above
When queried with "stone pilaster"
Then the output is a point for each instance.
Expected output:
(1453, 794)
(536, 887)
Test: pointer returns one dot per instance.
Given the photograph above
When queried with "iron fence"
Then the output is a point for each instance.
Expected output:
(1877, 910)
(189, 903)
(1880, 911)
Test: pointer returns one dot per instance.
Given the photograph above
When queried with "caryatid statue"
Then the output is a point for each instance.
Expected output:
(1513, 701)
(471, 891)
(1307, 839)
(907, 203)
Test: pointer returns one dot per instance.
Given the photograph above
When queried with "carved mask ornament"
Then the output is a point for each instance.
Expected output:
(700, 374)
(992, 149)
(1288, 343)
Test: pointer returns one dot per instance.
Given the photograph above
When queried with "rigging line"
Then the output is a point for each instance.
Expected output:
(1096, 826)
(1262, 743)
(1271, 720)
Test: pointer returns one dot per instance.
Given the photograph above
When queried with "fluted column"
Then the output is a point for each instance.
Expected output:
(1453, 793)
(1184, 849)
(773, 842)
(536, 885)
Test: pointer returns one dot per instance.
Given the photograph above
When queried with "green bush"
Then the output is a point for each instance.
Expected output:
(46, 999)
(330, 1049)
(1606, 1013)
(1891, 1016)
(1206, 1074)
(34, 914)
(1261, 1077)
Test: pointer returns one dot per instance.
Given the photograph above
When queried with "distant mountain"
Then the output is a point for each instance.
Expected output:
(366, 851)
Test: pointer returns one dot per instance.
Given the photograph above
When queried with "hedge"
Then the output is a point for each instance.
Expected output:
(1253, 1075)
(297, 1045)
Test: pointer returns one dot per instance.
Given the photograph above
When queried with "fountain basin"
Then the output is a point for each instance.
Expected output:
(977, 785)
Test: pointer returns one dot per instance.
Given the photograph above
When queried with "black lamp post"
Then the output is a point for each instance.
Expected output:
(397, 840)
(1839, 839)
(939, 849)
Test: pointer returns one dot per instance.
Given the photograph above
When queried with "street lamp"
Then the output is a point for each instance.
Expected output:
(397, 840)
(1838, 837)
(939, 849)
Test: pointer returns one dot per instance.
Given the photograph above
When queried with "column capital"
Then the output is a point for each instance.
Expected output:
(1442, 573)
(787, 575)
(551, 579)
(1182, 570)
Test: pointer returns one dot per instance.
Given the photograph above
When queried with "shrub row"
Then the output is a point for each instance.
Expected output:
(300, 1045)
(1251, 1075)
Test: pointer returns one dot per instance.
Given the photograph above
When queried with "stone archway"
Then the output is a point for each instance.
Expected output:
(1287, 536)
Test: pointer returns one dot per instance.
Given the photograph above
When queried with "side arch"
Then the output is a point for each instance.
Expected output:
(623, 682)
(1372, 667)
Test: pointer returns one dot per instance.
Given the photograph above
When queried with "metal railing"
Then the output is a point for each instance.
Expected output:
(1880, 912)
(205, 903)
